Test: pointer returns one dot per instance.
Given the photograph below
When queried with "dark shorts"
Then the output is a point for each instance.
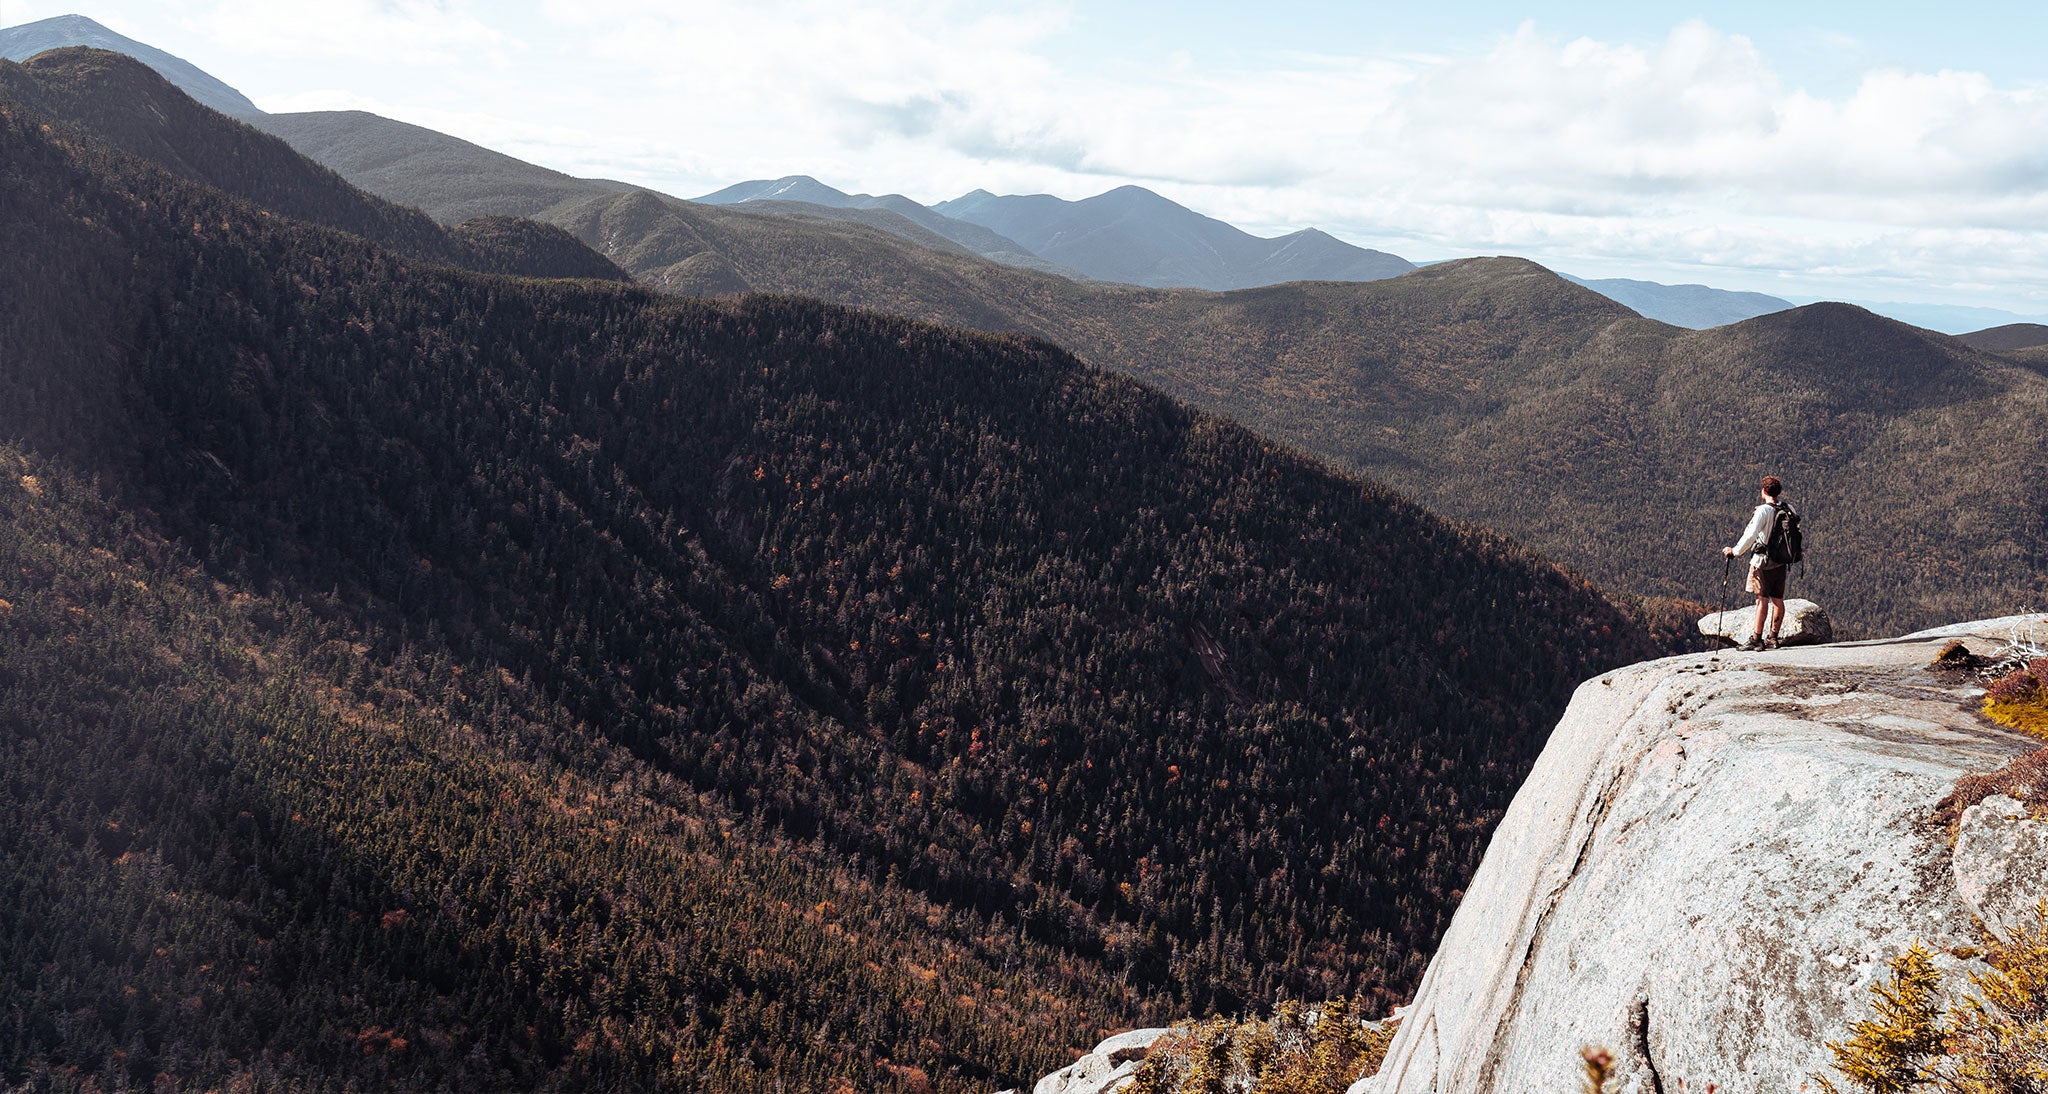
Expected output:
(1770, 581)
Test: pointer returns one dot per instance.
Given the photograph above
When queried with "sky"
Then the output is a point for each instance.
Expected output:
(1850, 151)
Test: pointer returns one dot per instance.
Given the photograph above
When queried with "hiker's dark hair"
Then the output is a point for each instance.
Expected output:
(1773, 484)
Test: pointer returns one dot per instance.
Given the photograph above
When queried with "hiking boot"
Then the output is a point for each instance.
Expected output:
(1753, 645)
(1773, 642)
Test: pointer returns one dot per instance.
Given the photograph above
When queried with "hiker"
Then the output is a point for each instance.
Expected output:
(1767, 567)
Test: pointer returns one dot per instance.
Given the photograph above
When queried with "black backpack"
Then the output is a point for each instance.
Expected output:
(1786, 545)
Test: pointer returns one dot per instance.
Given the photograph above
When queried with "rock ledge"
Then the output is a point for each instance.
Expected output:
(1711, 862)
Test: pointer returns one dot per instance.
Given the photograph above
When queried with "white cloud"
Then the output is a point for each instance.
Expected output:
(418, 32)
(1693, 157)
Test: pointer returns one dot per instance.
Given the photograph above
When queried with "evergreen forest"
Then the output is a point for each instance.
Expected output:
(1489, 389)
(413, 677)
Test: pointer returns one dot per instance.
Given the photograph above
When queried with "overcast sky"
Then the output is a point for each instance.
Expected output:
(1845, 151)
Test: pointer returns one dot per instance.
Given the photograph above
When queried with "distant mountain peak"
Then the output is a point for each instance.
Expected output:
(1695, 306)
(787, 188)
(29, 39)
(1140, 237)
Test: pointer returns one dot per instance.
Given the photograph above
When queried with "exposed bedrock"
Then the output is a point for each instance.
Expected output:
(1711, 862)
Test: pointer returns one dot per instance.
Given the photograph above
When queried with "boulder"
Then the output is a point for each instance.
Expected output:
(1107, 1068)
(1806, 624)
(1711, 862)
(1129, 1046)
(2001, 864)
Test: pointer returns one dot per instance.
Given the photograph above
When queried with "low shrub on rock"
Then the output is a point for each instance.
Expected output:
(2020, 698)
(1992, 1039)
(1297, 1051)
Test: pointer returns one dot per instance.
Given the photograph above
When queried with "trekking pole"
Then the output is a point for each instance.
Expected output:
(1721, 619)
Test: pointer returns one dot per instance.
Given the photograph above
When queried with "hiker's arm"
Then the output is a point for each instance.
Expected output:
(1754, 536)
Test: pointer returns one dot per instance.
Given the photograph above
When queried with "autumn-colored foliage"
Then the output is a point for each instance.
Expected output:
(2020, 698)
(595, 689)
(1984, 1031)
(1298, 1050)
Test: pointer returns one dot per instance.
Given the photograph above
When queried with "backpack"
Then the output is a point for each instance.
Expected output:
(1786, 546)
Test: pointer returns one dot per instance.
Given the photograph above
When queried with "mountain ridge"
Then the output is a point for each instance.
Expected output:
(527, 683)
(114, 97)
(1682, 305)
(2008, 337)
(1131, 235)
(1455, 397)
(803, 190)
(1694, 306)
(19, 43)
(1356, 374)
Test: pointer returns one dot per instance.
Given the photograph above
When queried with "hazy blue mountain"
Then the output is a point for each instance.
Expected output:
(1948, 318)
(1695, 306)
(787, 188)
(25, 41)
(2011, 336)
(1133, 235)
(806, 195)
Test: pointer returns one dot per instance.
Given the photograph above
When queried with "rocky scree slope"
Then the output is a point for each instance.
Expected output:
(1710, 864)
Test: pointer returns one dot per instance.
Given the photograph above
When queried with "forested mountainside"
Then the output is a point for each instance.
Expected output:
(117, 99)
(1491, 390)
(2011, 336)
(448, 178)
(19, 43)
(418, 678)
(1501, 394)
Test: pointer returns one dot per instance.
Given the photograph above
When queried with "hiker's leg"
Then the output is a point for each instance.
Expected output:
(1763, 605)
(1777, 615)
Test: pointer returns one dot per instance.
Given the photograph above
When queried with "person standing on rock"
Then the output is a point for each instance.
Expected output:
(1766, 576)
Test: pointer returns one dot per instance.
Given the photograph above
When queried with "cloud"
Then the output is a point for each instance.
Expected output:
(1691, 155)
(1705, 116)
(413, 32)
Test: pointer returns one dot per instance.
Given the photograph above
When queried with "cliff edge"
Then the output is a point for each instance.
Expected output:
(1707, 868)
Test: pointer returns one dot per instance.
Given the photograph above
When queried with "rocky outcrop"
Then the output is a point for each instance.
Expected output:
(1106, 1069)
(2001, 863)
(1711, 862)
(1806, 623)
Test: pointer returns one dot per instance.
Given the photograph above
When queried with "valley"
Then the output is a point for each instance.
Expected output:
(1116, 699)
(467, 626)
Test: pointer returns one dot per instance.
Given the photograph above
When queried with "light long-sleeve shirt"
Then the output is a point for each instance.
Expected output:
(1758, 535)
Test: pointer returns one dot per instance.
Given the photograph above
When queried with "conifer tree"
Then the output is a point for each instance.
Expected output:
(1892, 1052)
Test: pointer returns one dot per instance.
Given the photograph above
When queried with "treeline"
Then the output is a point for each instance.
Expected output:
(567, 616)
